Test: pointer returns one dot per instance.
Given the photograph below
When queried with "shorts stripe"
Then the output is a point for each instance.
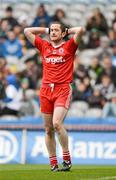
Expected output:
(69, 97)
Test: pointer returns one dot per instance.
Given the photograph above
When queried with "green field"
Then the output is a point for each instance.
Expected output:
(42, 172)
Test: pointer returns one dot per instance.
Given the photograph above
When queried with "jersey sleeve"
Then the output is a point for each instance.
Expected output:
(72, 46)
(39, 43)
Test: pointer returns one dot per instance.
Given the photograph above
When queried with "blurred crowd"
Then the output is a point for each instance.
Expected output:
(94, 86)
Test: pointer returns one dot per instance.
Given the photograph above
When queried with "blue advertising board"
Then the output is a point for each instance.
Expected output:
(10, 146)
(85, 147)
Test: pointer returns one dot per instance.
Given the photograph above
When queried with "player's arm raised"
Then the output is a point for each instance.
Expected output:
(31, 32)
(78, 32)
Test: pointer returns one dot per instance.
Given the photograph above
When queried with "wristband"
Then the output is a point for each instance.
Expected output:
(66, 30)
(47, 30)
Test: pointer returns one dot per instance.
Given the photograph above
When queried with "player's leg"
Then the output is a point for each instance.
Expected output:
(63, 98)
(49, 134)
(47, 111)
(50, 141)
(58, 118)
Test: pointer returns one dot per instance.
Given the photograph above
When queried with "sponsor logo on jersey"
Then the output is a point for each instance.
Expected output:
(54, 60)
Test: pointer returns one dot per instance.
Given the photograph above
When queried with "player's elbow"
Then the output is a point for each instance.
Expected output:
(81, 30)
(26, 31)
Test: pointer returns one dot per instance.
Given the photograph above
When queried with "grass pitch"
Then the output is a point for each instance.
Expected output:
(42, 172)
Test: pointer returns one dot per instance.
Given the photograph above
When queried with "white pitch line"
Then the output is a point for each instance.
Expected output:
(106, 178)
(101, 178)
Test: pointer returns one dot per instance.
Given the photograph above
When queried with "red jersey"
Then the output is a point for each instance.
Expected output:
(57, 61)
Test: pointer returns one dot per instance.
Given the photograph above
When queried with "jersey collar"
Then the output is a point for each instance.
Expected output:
(58, 45)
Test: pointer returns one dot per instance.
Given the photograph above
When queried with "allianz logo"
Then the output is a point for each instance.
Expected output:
(79, 149)
(8, 146)
(94, 149)
(54, 60)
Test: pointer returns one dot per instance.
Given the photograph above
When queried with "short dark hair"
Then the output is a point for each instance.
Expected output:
(62, 26)
(9, 9)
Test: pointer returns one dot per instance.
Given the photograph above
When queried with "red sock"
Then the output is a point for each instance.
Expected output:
(66, 156)
(53, 160)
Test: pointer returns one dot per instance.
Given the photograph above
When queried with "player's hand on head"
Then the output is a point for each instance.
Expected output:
(66, 31)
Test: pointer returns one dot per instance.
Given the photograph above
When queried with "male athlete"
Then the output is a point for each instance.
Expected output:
(55, 93)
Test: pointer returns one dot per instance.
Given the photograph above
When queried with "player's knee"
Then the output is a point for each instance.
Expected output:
(56, 126)
(49, 131)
